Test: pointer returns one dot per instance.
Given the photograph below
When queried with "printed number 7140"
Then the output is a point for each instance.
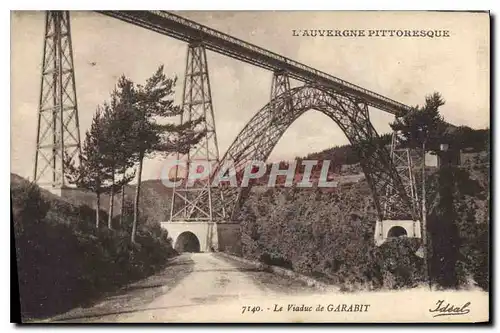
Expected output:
(249, 308)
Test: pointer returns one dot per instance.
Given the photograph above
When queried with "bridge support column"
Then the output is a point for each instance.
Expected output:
(58, 131)
(280, 86)
(195, 201)
(395, 222)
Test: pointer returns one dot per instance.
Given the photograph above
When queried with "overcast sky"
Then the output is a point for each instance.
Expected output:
(404, 69)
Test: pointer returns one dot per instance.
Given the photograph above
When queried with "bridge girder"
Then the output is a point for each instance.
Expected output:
(178, 27)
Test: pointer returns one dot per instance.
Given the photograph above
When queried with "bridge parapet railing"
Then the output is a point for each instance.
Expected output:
(286, 62)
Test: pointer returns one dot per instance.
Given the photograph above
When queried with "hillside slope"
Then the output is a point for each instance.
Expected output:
(155, 199)
(64, 261)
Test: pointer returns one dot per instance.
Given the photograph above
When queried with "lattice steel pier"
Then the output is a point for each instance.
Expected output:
(58, 132)
(397, 220)
(195, 202)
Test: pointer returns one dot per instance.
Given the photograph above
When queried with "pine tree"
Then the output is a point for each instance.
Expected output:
(90, 173)
(127, 114)
(118, 157)
(132, 127)
(151, 105)
(422, 124)
(109, 143)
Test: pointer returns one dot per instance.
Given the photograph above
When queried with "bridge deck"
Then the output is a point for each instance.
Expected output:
(189, 31)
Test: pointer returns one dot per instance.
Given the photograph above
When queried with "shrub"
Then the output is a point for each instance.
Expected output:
(63, 261)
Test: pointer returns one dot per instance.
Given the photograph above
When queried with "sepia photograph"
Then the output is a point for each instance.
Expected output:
(250, 166)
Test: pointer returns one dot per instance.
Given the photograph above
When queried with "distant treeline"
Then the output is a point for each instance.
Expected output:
(458, 137)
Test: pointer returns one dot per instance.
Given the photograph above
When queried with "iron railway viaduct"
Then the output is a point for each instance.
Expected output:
(204, 213)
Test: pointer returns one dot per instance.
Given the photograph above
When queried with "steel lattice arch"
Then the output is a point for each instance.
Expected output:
(258, 138)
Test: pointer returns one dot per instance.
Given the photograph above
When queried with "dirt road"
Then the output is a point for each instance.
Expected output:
(191, 285)
(208, 287)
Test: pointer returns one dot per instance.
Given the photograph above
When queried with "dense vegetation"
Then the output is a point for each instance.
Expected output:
(330, 235)
(459, 226)
(63, 261)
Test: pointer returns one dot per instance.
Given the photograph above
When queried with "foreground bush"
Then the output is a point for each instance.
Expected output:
(64, 264)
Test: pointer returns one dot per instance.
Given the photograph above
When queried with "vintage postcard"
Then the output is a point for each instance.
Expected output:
(250, 166)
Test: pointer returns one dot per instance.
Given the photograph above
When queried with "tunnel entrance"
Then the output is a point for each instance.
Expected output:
(187, 242)
(397, 232)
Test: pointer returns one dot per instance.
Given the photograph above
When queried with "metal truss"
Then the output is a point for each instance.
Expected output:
(176, 26)
(402, 160)
(195, 202)
(261, 134)
(58, 131)
(280, 85)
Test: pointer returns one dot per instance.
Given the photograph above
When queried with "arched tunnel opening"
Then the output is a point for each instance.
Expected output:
(187, 242)
(397, 231)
